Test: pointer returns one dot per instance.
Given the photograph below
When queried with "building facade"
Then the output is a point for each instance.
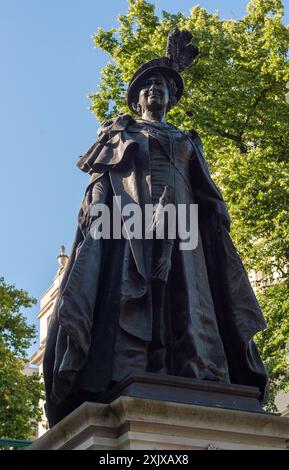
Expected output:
(47, 302)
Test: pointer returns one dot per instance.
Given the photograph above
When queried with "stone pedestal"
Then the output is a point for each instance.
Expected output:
(206, 419)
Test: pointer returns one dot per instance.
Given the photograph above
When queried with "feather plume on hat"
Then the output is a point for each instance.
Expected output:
(180, 51)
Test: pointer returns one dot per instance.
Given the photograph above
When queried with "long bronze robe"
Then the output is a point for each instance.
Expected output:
(83, 330)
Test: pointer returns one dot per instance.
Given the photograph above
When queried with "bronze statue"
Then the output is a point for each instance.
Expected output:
(142, 304)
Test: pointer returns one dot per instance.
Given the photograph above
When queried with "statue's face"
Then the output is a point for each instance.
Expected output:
(154, 93)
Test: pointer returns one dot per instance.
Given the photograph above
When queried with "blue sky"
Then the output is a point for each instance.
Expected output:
(48, 66)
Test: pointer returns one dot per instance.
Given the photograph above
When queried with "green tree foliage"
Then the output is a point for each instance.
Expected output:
(19, 393)
(235, 98)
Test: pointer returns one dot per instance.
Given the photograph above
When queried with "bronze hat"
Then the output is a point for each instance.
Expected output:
(180, 54)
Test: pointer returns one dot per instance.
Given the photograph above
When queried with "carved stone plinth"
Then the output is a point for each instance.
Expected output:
(206, 416)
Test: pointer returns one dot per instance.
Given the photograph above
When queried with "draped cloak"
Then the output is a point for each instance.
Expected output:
(122, 157)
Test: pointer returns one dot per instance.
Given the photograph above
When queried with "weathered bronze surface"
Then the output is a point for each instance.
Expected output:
(130, 307)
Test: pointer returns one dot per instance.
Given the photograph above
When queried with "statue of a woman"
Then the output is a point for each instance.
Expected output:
(142, 304)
